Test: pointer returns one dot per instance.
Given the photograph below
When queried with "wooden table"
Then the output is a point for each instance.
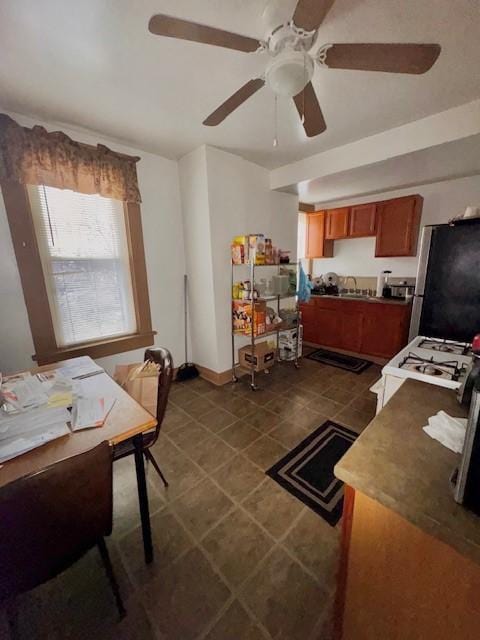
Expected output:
(127, 420)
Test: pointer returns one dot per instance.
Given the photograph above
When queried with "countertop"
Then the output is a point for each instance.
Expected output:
(396, 463)
(373, 300)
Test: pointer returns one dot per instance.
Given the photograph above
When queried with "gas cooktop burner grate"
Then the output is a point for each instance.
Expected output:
(449, 369)
(444, 346)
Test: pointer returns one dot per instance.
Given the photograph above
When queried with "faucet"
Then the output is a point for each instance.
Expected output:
(354, 281)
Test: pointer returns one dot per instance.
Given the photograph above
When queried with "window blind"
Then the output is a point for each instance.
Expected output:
(84, 253)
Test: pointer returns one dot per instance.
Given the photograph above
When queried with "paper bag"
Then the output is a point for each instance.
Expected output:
(141, 382)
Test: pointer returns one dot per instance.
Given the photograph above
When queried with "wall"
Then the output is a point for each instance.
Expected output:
(223, 195)
(164, 252)
(241, 202)
(198, 251)
(442, 201)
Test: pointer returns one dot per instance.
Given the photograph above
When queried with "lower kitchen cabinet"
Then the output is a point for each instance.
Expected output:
(326, 326)
(385, 329)
(309, 322)
(351, 328)
(370, 328)
(401, 583)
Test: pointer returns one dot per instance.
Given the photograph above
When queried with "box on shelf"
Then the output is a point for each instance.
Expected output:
(240, 250)
(242, 317)
(256, 248)
(263, 356)
(287, 341)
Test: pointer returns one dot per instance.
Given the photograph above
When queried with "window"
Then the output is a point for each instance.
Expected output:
(84, 252)
(82, 266)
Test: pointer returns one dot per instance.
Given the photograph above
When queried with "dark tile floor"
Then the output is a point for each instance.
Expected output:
(237, 557)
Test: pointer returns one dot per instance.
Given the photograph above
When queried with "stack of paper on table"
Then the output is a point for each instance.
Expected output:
(23, 391)
(33, 407)
(82, 368)
(25, 431)
(90, 412)
(59, 389)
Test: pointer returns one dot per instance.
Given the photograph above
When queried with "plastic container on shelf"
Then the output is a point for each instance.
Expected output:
(280, 285)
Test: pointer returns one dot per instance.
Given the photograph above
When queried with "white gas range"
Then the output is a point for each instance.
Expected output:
(441, 362)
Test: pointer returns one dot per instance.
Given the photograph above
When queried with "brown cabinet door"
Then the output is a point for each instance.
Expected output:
(398, 222)
(328, 327)
(316, 245)
(385, 329)
(351, 327)
(309, 321)
(362, 220)
(336, 226)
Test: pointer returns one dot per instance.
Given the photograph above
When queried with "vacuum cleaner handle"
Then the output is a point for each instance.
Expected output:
(185, 315)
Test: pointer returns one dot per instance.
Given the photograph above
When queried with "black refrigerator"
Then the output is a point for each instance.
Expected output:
(447, 292)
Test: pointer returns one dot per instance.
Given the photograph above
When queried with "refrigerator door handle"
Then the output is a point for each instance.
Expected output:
(423, 260)
(416, 315)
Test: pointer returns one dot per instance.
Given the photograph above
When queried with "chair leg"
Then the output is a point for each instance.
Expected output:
(102, 547)
(143, 499)
(150, 458)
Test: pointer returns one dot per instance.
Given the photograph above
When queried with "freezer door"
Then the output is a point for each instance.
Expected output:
(451, 301)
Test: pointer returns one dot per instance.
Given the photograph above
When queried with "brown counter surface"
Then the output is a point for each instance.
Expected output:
(396, 463)
(371, 299)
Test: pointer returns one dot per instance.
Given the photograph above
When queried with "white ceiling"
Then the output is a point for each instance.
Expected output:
(93, 64)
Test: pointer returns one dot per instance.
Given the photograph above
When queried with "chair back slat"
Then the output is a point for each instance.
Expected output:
(49, 519)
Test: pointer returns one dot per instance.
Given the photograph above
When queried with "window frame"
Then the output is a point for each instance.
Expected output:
(25, 245)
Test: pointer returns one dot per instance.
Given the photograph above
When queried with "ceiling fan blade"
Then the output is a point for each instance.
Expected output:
(162, 25)
(392, 58)
(233, 102)
(309, 14)
(314, 122)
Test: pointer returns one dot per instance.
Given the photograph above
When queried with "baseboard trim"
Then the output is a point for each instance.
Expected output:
(216, 378)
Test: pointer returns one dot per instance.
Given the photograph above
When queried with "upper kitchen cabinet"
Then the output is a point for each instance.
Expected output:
(336, 225)
(398, 222)
(362, 220)
(317, 246)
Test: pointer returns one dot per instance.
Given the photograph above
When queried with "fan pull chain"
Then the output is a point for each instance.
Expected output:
(275, 123)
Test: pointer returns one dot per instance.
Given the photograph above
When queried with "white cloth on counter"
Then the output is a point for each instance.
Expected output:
(447, 430)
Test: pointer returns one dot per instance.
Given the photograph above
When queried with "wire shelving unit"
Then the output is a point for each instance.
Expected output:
(272, 332)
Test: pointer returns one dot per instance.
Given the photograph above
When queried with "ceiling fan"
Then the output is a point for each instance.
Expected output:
(292, 60)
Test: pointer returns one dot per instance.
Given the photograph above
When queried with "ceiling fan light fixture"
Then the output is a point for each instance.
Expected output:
(289, 72)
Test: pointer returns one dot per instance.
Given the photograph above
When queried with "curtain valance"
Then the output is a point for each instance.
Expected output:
(35, 156)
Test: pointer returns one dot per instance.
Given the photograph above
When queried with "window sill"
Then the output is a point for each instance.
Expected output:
(98, 349)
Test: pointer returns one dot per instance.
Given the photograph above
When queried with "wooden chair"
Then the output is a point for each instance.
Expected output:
(163, 359)
(49, 519)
